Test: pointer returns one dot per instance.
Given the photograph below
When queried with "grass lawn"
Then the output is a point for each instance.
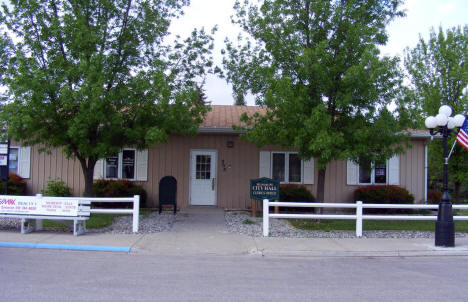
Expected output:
(96, 221)
(372, 225)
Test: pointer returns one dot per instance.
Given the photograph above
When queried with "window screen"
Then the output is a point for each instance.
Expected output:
(112, 167)
(278, 166)
(128, 164)
(294, 168)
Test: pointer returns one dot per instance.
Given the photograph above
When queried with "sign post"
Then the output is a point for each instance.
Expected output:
(263, 188)
(4, 162)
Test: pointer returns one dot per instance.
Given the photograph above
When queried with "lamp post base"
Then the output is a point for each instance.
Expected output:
(445, 227)
(445, 234)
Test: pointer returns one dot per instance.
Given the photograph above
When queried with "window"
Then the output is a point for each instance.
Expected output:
(121, 165)
(13, 160)
(203, 167)
(286, 167)
(370, 173)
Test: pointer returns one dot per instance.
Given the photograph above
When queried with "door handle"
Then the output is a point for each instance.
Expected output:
(212, 184)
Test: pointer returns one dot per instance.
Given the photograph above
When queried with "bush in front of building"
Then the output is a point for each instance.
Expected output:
(382, 195)
(16, 185)
(58, 188)
(433, 197)
(118, 188)
(295, 193)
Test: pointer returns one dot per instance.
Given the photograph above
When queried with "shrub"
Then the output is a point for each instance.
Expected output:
(16, 185)
(118, 188)
(383, 194)
(56, 188)
(295, 193)
(433, 197)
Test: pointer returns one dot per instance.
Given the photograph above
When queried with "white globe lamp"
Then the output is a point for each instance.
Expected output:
(445, 110)
(431, 122)
(459, 119)
(442, 119)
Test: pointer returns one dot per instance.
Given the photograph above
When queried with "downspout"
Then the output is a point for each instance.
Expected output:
(425, 172)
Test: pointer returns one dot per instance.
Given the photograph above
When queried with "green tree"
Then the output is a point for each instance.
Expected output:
(94, 76)
(438, 73)
(316, 67)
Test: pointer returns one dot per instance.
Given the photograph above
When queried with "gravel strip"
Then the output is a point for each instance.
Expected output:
(243, 223)
(152, 223)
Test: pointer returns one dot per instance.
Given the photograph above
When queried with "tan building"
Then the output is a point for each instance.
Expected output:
(214, 167)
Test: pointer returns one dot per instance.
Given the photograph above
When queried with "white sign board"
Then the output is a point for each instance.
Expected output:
(3, 160)
(3, 149)
(52, 206)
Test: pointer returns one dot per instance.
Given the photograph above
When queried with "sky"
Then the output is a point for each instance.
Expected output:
(421, 15)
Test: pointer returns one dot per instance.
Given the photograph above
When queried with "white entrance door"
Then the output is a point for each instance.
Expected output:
(203, 177)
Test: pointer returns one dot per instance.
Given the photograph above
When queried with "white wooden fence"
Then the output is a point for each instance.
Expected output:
(358, 216)
(135, 211)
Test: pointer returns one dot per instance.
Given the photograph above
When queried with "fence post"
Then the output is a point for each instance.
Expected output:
(358, 218)
(38, 222)
(266, 214)
(136, 212)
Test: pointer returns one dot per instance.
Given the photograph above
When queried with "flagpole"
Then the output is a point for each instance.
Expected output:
(450, 154)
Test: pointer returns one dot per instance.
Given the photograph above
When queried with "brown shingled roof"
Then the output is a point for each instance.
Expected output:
(225, 116)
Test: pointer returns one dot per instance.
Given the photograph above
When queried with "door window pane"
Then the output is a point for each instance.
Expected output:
(365, 172)
(112, 167)
(128, 164)
(203, 167)
(13, 161)
(294, 168)
(278, 166)
(380, 174)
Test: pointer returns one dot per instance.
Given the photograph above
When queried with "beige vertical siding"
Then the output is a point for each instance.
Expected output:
(411, 176)
(54, 165)
(173, 159)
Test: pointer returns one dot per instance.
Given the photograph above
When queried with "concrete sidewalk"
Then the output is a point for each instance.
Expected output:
(202, 231)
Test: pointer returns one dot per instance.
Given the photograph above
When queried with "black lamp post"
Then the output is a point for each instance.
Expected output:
(445, 227)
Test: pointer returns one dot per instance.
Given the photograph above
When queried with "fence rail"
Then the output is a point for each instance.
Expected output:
(358, 216)
(135, 211)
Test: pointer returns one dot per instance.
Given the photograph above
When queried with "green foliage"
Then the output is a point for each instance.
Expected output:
(118, 188)
(16, 185)
(382, 195)
(295, 193)
(94, 76)
(316, 67)
(56, 188)
(438, 73)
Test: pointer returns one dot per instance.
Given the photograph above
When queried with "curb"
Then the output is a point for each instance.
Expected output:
(125, 249)
(374, 254)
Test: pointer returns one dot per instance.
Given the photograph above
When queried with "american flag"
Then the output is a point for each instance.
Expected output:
(462, 136)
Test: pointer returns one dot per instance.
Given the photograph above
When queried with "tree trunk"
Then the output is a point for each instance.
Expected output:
(321, 185)
(320, 189)
(88, 173)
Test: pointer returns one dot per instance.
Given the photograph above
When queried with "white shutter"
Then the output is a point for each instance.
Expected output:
(24, 161)
(99, 169)
(394, 170)
(309, 172)
(352, 169)
(264, 164)
(142, 165)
